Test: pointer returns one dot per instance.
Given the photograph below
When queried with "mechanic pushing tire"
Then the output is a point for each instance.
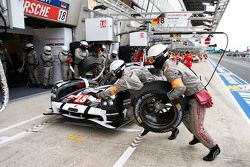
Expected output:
(154, 111)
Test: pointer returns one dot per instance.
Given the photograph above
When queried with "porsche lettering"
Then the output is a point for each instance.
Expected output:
(36, 9)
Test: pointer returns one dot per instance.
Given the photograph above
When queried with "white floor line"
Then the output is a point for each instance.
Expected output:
(20, 123)
(22, 134)
(15, 137)
(127, 130)
(125, 156)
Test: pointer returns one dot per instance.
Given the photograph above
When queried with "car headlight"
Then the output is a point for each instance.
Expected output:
(110, 103)
(104, 103)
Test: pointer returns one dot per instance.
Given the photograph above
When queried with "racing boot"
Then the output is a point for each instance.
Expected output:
(194, 141)
(174, 134)
(212, 154)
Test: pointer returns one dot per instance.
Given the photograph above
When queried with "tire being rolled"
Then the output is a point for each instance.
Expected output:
(154, 111)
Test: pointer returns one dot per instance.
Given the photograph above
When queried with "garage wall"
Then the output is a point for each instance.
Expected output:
(56, 38)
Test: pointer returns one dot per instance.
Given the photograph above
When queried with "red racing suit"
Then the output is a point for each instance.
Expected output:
(187, 60)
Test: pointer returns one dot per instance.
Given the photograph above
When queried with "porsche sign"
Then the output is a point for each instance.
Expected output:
(54, 10)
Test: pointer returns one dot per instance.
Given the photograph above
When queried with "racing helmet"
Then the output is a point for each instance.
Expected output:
(29, 46)
(84, 45)
(114, 54)
(47, 50)
(117, 67)
(65, 50)
(158, 54)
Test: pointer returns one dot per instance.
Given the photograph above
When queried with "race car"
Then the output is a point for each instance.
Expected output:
(76, 99)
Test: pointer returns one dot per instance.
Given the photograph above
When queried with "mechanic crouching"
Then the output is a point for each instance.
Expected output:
(130, 78)
(184, 81)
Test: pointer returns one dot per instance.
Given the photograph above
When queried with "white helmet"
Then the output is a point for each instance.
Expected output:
(29, 45)
(114, 52)
(84, 43)
(103, 47)
(117, 67)
(157, 50)
(47, 50)
(65, 50)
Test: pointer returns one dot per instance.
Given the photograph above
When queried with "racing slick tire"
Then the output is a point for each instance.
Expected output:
(108, 79)
(89, 64)
(154, 111)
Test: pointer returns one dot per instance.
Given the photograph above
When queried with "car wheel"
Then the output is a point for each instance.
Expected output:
(154, 111)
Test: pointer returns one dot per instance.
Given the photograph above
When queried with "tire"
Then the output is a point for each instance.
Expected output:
(89, 64)
(108, 79)
(154, 111)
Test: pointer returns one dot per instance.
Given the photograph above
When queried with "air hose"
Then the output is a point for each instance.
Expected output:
(218, 61)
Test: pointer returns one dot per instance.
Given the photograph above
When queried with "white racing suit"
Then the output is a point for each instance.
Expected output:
(79, 56)
(65, 66)
(101, 59)
(48, 69)
(133, 79)
(184, 81)
(32, 64)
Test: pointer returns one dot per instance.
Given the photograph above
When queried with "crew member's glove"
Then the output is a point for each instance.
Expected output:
(69, 60)
(100, 95)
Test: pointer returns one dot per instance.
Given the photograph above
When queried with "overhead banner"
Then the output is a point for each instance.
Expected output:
(171, 18)
(176, 18)
(54, 10)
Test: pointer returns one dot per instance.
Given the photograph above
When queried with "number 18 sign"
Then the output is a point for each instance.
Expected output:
(55, 10)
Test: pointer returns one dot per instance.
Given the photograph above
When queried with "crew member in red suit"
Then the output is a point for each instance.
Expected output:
(187, 59)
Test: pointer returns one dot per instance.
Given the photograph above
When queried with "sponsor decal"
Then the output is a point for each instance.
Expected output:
(103, 23)
(142, 35)
(54, 10)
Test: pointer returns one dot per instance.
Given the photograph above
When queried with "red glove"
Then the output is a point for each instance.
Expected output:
(69, 60)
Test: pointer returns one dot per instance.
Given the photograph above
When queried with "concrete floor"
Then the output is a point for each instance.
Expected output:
(56, 141)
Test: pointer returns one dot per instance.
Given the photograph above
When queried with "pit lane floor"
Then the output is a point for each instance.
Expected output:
(29, 139)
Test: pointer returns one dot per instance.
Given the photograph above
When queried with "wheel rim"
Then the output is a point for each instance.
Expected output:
(158, 112)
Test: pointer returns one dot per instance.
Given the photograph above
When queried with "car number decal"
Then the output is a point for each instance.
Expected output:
(81, 99)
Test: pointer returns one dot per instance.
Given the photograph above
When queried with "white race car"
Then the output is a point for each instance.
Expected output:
(76, 99)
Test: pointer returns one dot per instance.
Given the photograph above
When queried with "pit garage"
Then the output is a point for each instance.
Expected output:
(69, 125)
